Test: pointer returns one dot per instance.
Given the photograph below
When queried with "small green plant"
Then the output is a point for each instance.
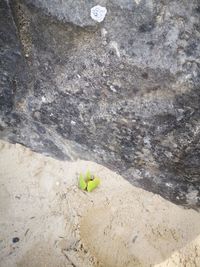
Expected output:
(88, 181)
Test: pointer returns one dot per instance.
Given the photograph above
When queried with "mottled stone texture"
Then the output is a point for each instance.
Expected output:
(124, 92)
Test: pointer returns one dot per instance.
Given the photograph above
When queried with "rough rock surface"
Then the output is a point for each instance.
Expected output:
(123, 92)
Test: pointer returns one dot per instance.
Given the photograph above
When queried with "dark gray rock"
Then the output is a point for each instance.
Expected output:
(124, 92)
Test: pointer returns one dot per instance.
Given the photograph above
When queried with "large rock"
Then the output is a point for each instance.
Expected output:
(124, 92)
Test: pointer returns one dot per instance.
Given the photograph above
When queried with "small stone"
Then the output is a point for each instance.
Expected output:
(15, 239)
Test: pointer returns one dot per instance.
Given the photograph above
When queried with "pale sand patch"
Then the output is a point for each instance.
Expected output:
(117, 225)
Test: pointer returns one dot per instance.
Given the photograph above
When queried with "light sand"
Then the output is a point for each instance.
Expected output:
(117, 225)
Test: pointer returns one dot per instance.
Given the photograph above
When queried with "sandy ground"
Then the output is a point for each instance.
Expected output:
(57, 224)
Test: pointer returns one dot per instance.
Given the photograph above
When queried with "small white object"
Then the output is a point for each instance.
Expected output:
(98, 13)
(112, 88)
(43, 99)
(137, 1)
(103, 32)
(114, 45)
(169, 184)
(73, 122)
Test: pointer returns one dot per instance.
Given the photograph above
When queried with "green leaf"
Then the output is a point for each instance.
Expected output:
(82, 183)
(93, 184)
(88, 176)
